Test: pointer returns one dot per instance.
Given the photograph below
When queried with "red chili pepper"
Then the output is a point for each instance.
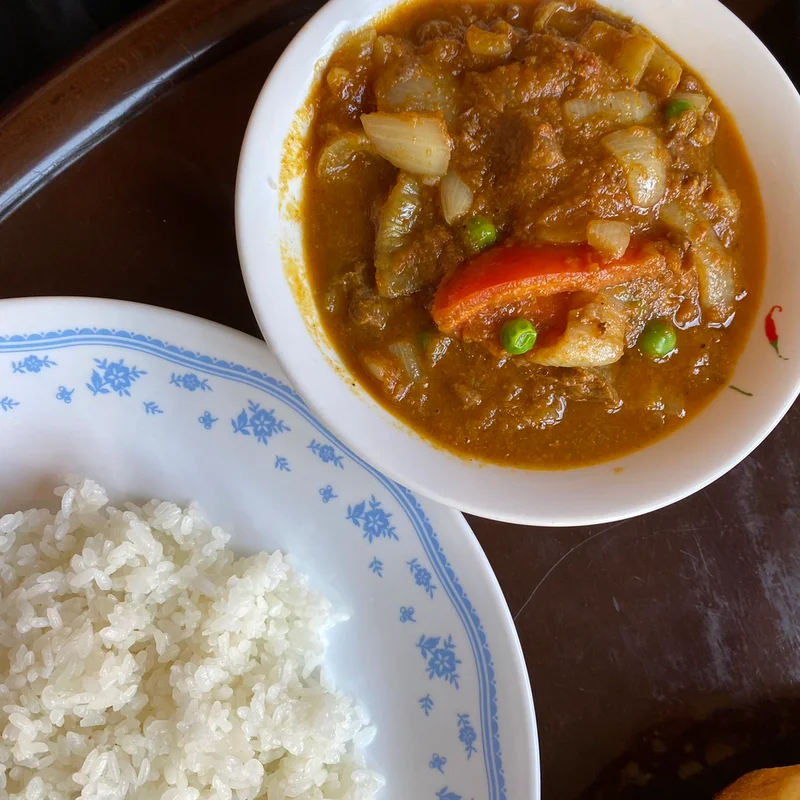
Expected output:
(772, 331)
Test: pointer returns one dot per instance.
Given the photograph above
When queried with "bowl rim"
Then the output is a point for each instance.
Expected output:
(350, 15)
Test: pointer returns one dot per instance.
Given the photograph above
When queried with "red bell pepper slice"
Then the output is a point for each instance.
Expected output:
(508, 275)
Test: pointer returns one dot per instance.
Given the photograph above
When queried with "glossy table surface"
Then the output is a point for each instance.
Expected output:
(117, 180)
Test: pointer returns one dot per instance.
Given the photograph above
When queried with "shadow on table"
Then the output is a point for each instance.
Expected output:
(695, 759)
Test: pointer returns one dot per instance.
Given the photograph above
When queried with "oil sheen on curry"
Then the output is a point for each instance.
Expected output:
(532, 233)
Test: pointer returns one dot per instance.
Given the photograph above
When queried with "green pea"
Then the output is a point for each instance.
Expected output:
(676, 107)
(481, 232)
(518, 336)
(658, 339)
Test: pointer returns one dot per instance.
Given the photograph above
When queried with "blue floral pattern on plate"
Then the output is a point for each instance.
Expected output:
(376, 566)
(441, 657)
(32, 364)
(207, 420)
(380, 516)
(467, 735)
(326, 454)
(422, 577)
(190, 382)
(371, 517)
(64, 395)
(113, 376)
(437, 762)
(259, 422)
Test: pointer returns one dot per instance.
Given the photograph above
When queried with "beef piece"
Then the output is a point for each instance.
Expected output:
(420, 263)
(592, 385)
(354, 289)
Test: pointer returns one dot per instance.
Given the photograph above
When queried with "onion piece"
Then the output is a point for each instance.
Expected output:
(642, 157)
(546, 10)
(623, 108)
(359, 46)
(416, 143)
(564, 232)
(713, 263)
(699, 102)
(629, 53)
(417, 84)
(634, 56)
(399, 215)
(723, 207)
(456, 197)
(663, 73)
(342, 152)
(406, 352)
(397, 220)
(594, 336)
(489, 43)
(609, 237)
(387, 374)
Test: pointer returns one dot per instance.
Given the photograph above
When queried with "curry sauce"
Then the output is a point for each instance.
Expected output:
(476, 173)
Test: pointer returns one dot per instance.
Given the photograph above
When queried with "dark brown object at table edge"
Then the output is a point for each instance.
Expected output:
(624, 624)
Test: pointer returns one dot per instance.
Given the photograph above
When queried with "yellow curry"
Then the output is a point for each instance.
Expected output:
(532, 233)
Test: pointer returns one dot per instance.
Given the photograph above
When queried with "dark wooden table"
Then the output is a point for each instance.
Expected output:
(117, 180)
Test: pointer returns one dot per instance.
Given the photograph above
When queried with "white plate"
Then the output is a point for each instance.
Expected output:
(155, 403)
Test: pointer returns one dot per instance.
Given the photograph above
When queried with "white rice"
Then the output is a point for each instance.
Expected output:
(142, 659)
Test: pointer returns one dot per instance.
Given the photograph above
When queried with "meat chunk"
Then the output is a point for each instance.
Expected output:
(418, 264)
(589, 385)
(529, 143)
(354, 291)
(554, 68)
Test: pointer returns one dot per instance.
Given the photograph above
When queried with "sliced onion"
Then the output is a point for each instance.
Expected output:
(699, 102)
(342, 152)
(608, 237)
(488, 43)
(634, 55)
(338, 79)
(561, 232)
(641, 156)
(725, 206)
(358, 47)
(723, 196)
(421, 86)
(715, 272)
(594, 336)
(416, 143)
(407, 353)
(399, 214)
(545, 12)
(601, 38)
(456, 197)
(629, 53)
(397, 220)
(624, 108)
(387, 374)
(663, 73)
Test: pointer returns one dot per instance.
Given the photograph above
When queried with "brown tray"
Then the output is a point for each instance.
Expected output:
(117, 180)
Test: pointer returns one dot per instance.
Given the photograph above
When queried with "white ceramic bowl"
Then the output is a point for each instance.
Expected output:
(153, 403)
(766, 106)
